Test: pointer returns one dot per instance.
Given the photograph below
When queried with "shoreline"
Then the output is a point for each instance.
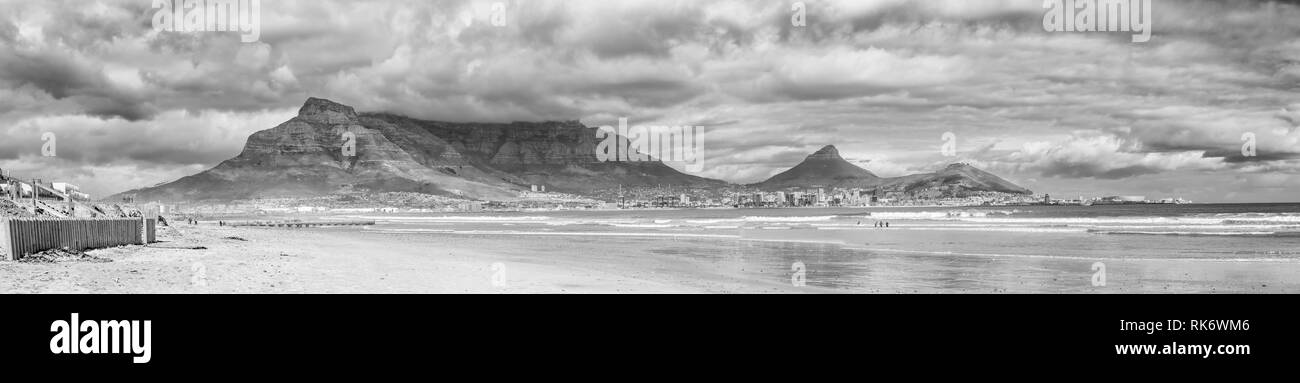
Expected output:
(336, 261)
(348, 260)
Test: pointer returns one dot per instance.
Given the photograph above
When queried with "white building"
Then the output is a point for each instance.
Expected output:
(65, 188)
(353, 210)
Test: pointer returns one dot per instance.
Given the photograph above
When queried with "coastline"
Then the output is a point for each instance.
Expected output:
(273, 261)
(349, 260)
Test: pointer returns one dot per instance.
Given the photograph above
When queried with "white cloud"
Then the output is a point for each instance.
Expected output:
(1105, 157)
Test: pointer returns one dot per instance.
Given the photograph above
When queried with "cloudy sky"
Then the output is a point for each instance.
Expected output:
(1062, 113)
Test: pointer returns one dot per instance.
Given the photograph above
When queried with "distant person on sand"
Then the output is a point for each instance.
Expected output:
(886, 223)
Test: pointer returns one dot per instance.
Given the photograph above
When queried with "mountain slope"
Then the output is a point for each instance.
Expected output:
(304, 157)
(955, 180)
(825, 168)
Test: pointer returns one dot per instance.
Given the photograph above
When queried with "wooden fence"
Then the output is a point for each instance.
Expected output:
(22, 236)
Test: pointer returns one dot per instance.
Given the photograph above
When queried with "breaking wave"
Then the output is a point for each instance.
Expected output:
(1199, 233)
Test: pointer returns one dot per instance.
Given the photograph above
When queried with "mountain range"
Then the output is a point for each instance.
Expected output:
(305, 157)
(825, 168)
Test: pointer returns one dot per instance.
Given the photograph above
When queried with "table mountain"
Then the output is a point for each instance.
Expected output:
(304, 157)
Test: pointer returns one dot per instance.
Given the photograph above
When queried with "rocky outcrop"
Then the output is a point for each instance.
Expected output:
(322, 111)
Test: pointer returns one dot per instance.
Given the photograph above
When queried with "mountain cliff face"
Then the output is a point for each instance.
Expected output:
(825, 168)
(561, 155)
(304, 157)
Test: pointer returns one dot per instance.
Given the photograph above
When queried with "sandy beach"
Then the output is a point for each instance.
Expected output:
(356, 260)
(348, 261)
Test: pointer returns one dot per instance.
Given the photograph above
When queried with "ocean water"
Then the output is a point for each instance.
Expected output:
(962, 245)
(1228, 232)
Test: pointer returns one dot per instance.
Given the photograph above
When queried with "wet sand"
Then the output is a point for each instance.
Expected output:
(351, 260)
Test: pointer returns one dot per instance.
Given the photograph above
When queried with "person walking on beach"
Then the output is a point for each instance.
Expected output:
(886, 223)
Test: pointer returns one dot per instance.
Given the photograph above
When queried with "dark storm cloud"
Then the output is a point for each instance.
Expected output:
(57, 75)
(8, 31)
(648, 92)
(87, 26)
(1266, 157)
(63, 77)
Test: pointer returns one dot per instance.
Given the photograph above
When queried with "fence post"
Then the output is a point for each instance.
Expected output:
(7, 240)
(150, 234)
